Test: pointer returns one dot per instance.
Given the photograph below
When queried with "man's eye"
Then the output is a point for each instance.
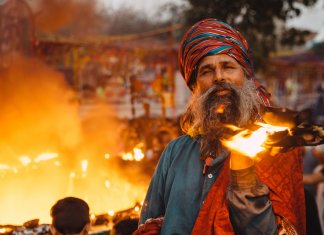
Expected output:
(206, 72)
(229, 67)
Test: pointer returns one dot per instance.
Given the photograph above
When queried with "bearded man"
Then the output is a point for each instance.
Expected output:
(199, 186)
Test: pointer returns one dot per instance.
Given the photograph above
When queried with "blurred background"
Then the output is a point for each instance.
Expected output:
(90, 93)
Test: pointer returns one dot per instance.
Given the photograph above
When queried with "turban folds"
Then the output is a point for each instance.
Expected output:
(212, 37)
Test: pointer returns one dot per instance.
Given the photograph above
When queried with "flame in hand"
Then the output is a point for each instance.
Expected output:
(248, 142)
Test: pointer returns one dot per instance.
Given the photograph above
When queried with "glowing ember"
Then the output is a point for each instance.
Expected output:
(107, 184)
(250, 143)
(84, 165)
(4, 167)
(45, 157)
(5, 230)
(111, 213)
(136, 208)
(72, 175)
(107, 156)
(220, 108)
(137, 155)
(25, 160)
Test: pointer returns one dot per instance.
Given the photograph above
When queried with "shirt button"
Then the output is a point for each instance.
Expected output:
(210, 176)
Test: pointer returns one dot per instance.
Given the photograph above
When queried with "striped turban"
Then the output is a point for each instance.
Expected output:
(212, 37)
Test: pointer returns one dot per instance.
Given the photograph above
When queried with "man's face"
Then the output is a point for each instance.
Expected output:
(222, 95)
(221, 68)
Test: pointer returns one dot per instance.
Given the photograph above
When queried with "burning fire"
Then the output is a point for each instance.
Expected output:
(136, 155)
(250, 143)
(112, 185)
(5, 230)
(31, 178)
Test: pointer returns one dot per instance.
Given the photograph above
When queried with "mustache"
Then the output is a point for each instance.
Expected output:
(212, 97)
(221, 86)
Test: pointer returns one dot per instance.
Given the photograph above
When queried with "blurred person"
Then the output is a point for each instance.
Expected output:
(309, 160)
(313, 225)
(70, 215)
(199, 186)
(124, 227)
(318, 178)
(319, 106)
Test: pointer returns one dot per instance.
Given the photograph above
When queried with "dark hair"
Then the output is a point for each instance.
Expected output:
(126, 226)
(70, 215)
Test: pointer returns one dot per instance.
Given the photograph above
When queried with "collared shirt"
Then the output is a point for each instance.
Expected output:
(178, 190)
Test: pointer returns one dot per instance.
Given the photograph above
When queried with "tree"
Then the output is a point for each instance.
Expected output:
(258, 20)
(318, 48)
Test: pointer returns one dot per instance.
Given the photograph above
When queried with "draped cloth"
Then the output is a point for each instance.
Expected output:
(283, 176)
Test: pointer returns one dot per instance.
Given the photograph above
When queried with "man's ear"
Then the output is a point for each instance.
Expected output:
(53, 230)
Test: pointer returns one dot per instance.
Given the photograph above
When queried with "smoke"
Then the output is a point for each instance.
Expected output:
(37, 109)
(78, 17)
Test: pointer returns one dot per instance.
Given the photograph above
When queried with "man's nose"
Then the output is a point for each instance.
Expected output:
(219, 75)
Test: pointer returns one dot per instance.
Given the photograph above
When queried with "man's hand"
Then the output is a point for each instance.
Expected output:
(239, 161)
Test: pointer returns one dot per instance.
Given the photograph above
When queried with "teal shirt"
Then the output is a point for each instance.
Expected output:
(178, 189)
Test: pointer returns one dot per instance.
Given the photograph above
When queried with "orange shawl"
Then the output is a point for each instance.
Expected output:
(283, 176)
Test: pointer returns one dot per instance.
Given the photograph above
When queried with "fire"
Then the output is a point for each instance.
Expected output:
(118, 191)
(92, 217)
(250, 143)
(25, 160)
(84, 165)
(220, 108)
(45, 157)
(111, 212)
(36, 172)
(107, 184)
(5, 230)
(107, 155)
(136, 155)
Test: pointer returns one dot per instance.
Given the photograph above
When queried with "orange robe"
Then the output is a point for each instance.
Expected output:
(283, 176)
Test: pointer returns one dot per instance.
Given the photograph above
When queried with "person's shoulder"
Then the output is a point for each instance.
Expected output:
(180, 148)
(182, 140)
(180, 144)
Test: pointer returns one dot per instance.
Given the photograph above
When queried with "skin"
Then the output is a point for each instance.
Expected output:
(222, 68)
(218, 68)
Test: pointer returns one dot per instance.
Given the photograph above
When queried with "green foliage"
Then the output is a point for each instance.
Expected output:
(318, 48)
(258, 20)
(294, 36)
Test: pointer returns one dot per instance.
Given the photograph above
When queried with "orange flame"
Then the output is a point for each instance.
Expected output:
(136, 155)
(5, 230)
(45, 157)
(250, 143)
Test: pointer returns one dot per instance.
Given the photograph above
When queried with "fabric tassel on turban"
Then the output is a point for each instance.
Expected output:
(212, 37)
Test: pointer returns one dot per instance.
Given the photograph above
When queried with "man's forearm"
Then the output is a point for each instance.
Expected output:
(250, 209)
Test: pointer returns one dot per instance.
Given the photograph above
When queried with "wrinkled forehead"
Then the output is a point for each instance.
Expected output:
(217, 60)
